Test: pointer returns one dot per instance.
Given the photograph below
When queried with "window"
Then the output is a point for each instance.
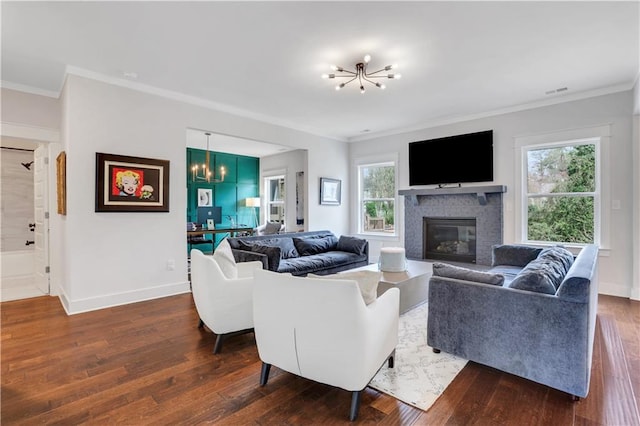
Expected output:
(562, 187)
(377, 195)
(275, 190)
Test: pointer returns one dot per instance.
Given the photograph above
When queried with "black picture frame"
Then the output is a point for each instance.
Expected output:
(131, 184)
(330, 191)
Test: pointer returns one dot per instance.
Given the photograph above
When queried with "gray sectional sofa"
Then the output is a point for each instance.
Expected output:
(533, 314)
(302, 253)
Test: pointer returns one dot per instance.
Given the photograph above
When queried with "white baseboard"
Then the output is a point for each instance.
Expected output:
(100, 302)
(18, 293)
(613, 289)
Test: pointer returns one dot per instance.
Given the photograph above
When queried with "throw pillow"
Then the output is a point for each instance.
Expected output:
(513, 255)
(542, 275)
(288, 250)
(558, 254)
(352, 245)
(224, 257)
(273, 254)
(314, 245)
(367, 282)
(456, 272)
(272, 228)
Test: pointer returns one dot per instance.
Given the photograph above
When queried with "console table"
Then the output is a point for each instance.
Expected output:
(233, 232)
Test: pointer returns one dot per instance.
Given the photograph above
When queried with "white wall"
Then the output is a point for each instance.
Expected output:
(115, 258)
(635, 290)
(288, 163)
(616, 260)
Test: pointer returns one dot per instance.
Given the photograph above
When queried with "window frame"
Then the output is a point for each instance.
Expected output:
(380, 162)
(596, 194)
(268, 202)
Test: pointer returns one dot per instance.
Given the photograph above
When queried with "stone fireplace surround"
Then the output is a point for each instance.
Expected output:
(484, 203)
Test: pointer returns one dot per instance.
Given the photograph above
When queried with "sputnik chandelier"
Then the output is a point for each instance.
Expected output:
(361, 74)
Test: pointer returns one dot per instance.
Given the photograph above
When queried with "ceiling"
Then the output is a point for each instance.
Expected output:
(263, 60)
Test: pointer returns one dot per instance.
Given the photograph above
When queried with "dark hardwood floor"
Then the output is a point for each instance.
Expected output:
(148, 363)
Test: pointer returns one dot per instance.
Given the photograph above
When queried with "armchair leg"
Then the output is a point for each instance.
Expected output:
(436, 351)
(355, 405)
(264, 373)
(200, 323)
(391, 360)
(218, 346)
(221, 337)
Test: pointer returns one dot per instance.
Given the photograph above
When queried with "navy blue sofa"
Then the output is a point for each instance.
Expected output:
(302, 253)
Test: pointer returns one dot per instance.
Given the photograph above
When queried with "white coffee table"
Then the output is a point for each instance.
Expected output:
(412, 283)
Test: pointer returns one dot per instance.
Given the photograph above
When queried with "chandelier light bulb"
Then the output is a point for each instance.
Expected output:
(362, 89)
(324, 76)
(333, 67)
(367, 58)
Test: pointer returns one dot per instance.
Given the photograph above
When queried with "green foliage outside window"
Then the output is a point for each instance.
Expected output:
(378, 192)
(570, 172)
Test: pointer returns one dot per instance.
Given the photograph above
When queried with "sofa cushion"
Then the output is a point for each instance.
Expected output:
(456, 272)
(287, 249)
(367, 282)
(317, 263)
(314, 245)
(351, 244)
(514, 255)
(274, 254)
(225, 260)
(508, 271)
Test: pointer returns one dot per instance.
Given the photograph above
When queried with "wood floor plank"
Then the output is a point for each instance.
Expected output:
(148, 363)
(618, 408)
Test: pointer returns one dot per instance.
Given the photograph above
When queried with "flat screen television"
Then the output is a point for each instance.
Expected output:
(453, 159)
(205, 213)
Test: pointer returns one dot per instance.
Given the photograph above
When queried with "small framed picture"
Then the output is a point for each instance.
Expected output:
(131, 184)
(330, 191)
(205, 197)
(210, 224)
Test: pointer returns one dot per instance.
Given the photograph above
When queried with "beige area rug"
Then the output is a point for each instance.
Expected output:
(419, 376)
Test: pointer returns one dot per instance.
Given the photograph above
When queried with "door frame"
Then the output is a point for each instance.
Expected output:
(50, 138)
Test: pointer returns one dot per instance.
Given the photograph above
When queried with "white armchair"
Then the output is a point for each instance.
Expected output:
(322, 330)
(224, 305)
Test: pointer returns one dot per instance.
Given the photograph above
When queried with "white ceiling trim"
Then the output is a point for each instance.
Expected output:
(15, 130)
(29, 89)
(516, 108)
(193, 100)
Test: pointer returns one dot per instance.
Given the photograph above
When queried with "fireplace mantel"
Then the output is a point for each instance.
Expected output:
(480, 191)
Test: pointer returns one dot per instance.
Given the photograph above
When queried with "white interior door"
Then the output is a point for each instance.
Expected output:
(41, 214)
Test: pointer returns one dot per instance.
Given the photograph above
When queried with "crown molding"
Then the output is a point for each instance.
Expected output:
(194, 100)
(35, 133)
(556, 100)
(29, 89)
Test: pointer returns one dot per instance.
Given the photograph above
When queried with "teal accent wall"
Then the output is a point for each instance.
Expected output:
(241, 181)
